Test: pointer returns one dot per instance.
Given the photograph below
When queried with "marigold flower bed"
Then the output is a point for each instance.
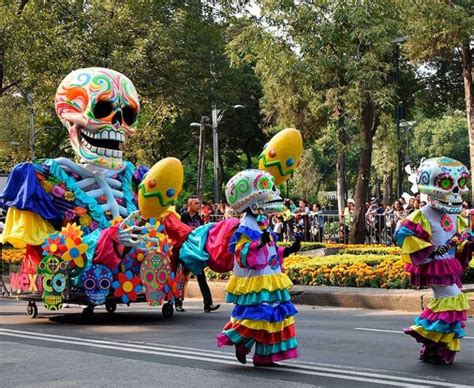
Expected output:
(377, 271)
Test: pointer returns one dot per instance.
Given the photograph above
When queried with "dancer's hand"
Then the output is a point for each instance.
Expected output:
(264, 238)
(441, 250)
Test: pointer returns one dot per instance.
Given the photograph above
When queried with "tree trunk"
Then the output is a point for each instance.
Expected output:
(367, 131)
(341, 165)
(467, 53)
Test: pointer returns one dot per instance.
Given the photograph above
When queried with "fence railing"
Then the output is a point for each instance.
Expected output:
(334, 228)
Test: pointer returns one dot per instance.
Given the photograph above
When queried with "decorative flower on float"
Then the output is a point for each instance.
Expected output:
(175, 287)
(54, 245)
(73, 232)
(75, 251)
(127, 286)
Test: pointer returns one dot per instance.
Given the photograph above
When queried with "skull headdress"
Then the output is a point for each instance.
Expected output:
(444, 180)
(100, 108)
(254, 190)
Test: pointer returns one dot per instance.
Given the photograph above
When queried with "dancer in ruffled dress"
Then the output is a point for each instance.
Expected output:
(435, 243)
(263, 314)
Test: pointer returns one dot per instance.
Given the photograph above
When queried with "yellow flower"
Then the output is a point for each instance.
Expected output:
(85, 220)
(74, 252)
(46, 185)
(69, 196)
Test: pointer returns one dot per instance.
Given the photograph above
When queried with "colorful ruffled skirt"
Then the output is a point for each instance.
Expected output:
(441, 324)
(263, 315)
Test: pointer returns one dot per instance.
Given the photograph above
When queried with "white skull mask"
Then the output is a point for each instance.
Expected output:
(96, 281)
(100, 108)
(254, 190)
(444, 180)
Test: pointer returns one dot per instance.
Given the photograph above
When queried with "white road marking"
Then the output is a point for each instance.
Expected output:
(226, 358)
(392, 331)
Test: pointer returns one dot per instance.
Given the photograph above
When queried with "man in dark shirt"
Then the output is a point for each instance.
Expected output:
(192, 218)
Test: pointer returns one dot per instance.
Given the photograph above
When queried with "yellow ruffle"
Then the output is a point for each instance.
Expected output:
(462, 224)
(447, 338)
(453, 303)
(24, 227)
(270, 327)
(243, 285)
(417, 217)
(413, 244)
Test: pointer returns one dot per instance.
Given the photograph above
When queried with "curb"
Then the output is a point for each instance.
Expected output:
(348, 297)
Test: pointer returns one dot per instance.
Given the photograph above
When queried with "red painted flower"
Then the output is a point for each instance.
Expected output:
(447, 223)
(127, 286)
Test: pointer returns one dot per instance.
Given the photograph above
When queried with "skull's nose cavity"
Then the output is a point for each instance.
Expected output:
(117, 119)
(456, 190)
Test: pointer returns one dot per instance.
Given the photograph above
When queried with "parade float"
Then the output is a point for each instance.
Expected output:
(100, 231)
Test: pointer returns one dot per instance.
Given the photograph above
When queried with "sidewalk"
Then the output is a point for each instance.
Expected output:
(368, 298)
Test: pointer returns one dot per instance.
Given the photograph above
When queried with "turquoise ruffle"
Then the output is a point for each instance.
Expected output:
(256, 298)
(441, 327)
(193, 253)
(266, 350)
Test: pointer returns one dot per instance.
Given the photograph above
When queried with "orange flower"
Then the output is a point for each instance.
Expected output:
(73, 232)
(80, 211)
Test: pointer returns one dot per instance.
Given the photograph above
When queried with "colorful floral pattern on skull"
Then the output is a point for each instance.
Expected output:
(100, 108)
(154, 273)
(52, 270)
(96, 281)
(254, 189)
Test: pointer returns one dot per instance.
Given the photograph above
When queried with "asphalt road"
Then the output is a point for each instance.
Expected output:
(136, 347)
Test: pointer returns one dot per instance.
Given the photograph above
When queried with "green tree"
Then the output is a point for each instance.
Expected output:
(441, 31)
(323, 62)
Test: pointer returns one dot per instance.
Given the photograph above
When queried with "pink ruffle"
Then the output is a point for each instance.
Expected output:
(257, 258)
(223, 340)
(437, 272)
(259, 359)
(446, 316)
(417, 229)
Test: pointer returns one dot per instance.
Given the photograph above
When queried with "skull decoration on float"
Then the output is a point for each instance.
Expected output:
(53, 275)
(99, 107)
(96, 281)
(435, 242)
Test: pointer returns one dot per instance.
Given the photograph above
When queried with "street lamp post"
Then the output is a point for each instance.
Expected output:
(217, 115)
(398, 108)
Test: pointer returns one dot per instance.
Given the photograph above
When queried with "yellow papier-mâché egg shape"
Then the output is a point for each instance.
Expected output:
(281, 156)
(160, 188)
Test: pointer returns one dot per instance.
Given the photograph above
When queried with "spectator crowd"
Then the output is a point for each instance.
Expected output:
(313, 223)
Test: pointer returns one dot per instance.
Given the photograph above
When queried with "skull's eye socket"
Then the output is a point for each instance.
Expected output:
(129, 115)
(446, 183)
(104, 284)
(462, 182)
(102, 109)
(59, 283)
(89, 284)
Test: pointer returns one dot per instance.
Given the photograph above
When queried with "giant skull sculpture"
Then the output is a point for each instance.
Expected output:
(443, 180)
(100, 108)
